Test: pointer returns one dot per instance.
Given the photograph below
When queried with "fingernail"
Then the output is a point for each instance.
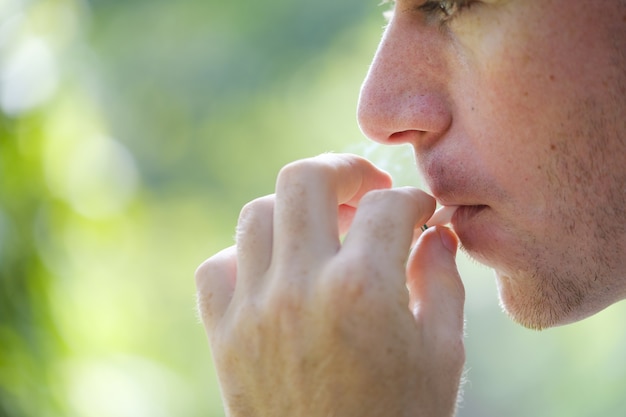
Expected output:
(448, 239)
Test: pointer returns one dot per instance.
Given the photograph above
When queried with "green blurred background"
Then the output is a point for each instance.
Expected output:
(131, 133)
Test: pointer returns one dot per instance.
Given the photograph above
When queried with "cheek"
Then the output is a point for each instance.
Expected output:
(522, 93)
(532, 67)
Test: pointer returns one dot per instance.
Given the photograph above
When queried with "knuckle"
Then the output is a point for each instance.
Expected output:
(283, 301)
(206, 271)
(255, 209)
(298, 172)
(255, 213)
(277, 314)
(215, 279)
(377, 196)
(349, 280)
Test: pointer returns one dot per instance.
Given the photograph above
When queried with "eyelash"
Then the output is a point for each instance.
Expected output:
(445, 10)
(441, 11)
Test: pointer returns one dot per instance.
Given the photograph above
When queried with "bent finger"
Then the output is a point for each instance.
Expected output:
(383, 226)
(308, 194)
(215, 283)
(254, 241)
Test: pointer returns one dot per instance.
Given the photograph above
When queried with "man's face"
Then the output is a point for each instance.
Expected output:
(517, 113)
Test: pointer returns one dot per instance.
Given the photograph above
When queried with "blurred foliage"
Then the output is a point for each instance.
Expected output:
(131, 132)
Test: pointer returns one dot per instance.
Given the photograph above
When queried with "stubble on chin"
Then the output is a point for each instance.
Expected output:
(539, 303)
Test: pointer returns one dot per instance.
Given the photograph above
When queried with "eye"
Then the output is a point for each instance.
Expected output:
(445, 10)
(442, 11)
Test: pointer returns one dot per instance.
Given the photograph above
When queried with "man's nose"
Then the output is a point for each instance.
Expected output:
(403, 98)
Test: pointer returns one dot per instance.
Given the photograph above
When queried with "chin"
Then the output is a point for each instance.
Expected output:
(540, 302)
(540, 291)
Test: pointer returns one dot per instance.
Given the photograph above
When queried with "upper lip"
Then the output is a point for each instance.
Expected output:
(447, 199)
(438, 178)
(453, 177)
(450, 191)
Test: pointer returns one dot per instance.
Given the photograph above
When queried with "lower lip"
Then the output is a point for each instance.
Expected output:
(465, 214)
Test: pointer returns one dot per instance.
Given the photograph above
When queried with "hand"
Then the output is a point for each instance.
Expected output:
(303, 325)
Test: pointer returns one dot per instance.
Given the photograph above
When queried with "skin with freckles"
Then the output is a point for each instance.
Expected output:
(516, 110)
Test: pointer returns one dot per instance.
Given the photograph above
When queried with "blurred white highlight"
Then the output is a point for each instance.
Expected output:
(29, 78)
(125, 386)
(397, 160)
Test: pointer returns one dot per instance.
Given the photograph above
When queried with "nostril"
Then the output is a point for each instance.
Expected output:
(406, 136)
(391, 117)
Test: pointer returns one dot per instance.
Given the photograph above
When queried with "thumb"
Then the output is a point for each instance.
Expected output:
(436, 292)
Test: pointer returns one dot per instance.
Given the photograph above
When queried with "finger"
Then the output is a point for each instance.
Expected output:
(383, 227)
(442, 216)
(254, 240)
(436, 292)
(308, 194)
(346, 215)
(215, 283)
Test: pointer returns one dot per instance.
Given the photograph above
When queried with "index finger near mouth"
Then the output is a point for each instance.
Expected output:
(308, 194)
(382, 230)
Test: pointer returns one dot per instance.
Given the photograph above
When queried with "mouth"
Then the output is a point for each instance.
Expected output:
(453, 187)
(467, 218)
(458, 216)
(465, 213)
